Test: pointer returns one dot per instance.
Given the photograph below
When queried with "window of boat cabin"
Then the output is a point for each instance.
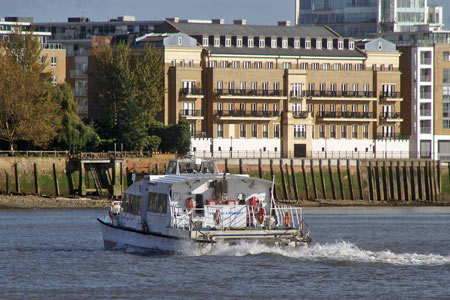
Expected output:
(157, 202)
(172, 167)
(132, 204)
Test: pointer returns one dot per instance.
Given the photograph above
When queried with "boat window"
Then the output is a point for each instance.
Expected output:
(172, 167)
(208, 167)
(187, 167)
(132, 204)
(157, 202)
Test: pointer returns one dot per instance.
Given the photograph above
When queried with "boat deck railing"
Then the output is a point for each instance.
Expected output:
(219, 217)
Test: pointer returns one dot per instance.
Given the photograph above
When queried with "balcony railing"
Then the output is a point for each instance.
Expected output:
(425, 78)
(425, 130)
(395, 95)
(425, 95)
(191, 92)
(300, 114)
(392, 136)
(78, 74)
(337, 94)
(346, 115)
(249, 92)
(246, 113)
(390, 115)
(190, 113)
(200, 135)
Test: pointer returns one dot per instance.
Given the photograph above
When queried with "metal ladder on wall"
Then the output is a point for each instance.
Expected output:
(96, 178)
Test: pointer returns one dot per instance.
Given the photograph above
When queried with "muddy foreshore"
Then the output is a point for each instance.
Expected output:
(38, 202)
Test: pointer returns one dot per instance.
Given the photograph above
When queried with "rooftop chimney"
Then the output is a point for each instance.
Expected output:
(218, 21)
(174, 19)
(284, 23)
(240, 22)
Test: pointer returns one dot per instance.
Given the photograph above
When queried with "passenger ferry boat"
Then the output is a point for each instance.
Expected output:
(193, 203)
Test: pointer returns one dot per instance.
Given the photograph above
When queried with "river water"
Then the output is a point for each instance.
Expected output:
(358, 253)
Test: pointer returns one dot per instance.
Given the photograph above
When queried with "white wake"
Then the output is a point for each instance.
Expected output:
(338, 252)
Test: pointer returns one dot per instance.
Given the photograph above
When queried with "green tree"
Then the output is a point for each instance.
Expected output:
(122, 76)
(174, 138)
(28, 111)
(73, 134)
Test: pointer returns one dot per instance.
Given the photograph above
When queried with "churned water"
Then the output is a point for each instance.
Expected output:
(358, 253)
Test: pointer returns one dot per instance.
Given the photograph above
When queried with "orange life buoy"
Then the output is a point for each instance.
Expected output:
(261, 213)
(217, 216)
(253, 201)
(190, 203)
(287, 219)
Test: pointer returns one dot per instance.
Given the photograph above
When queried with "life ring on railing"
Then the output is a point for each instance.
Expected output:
(253, 201)
(217, 216)
(190, 203)
(261, 214)
(287, 219)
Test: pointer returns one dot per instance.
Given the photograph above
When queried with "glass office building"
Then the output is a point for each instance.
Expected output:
(363, 17)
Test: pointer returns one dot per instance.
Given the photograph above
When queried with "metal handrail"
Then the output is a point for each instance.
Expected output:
(249, 92)
(246, 113)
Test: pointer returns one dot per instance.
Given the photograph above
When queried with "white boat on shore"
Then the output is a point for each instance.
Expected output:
(164, 212)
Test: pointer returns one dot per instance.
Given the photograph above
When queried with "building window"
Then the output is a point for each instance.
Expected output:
(333, 131)
(446, 56)
(273, 43)
(269, 65)
(191, 63)
(220, 130)
(247, 65)
(275, 109)
(276, 130)
(354, 131)
(224, 64)
(366, 131)
(216, 42)
(262, 43)
(227, 42)
(173, 63)
(340, 45)
(41, 60)
(315, 66)
(239, 42)
(326, 66)
(343, 131)
(181, 63)
(322, 131)
(286, 65)
(53, 61)
(300, 131)
(235, 64)
(205, 41)
(265, 131)
(303, 66)
(284, 44)
(296, 44)
(307, 44)
(329, 45)
(336, 67)
(242, 131)
(250, 43)
(348, 67)
(351, 45)
(54, 79)
(180, 41)
(254, 130)
(257, 65)
(318, 44)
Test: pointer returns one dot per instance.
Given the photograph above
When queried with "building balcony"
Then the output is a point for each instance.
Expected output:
(78, 74)
(246, 93)
(200, 135)
(392, 136)
(391, 116)
(246, 114)
(190, 114)
(391, 96)
(346, 116)
(340, 95)
(191, 92)
(301, 114)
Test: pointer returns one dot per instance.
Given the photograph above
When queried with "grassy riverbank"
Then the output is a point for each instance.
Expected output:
(36, 202)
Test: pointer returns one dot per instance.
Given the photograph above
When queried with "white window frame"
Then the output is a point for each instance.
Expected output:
(216, 42)
(273, 43)
(318, 44)
(262, 43)
(228, 42)
(205, 42)
(239, 42)
(250, 43)
(284, 44)
(296, 44)
(308, 44)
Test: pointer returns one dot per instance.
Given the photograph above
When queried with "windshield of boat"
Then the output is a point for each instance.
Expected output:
(208, 167)
(172, 167)
(187, 167)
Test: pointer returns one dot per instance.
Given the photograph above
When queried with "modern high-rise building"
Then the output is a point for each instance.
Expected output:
(360, 18)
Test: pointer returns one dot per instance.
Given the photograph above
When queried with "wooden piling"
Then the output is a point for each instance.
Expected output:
(330, 172)
(149, 168)
(439, 176)
(16, 171)
(435, 192)
(240, 166)
(406, 181)
(426, 182)
(413, 182)
(260, 168)
(322, 180)
(289, 188)
(283, 181)
(227, 171)
(156, 168)
(271, 176)
(341, 186)
(55, 174)
(7, 182)
(350, 180)
(371, 182)
(385, 181)
(377, 181)
(36, 179)
(419, 182)
(305, 180)
(358, 173)
(391, 180)
(399, 181)
(294, 181)
(311, 166)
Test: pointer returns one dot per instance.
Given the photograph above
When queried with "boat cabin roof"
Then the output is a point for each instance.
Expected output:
(192, 166)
